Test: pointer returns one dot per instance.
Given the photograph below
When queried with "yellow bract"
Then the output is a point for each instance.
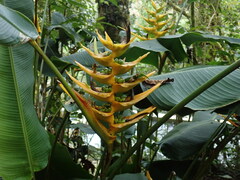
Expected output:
(156, 22)
(114, 93)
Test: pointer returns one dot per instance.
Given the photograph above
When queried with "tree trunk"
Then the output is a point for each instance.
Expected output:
(114, 17)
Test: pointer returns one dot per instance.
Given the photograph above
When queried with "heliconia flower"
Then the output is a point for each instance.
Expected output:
(130, 120)
(102, 78)
(126, 86)
(108, 97)
(105, 60)
(117, 49)
(120, 106)
(114, 85)
(156, 21)
(99, 128)
(116, 70)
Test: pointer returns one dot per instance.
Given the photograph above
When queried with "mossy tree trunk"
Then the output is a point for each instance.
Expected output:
(114, 17)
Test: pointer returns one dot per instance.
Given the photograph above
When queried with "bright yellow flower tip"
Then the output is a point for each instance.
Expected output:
(127, 66)
(149, 21)
(124, 87)
(109, 97)
(92, 120)
(161, 24)
(152, 13)
(160, 16)
(120, 106)
(141, 37)
(102, 78)
(154, 5)
(149, 29)
(159, 34)
(130, 120)
(117, 49)
(101, 58)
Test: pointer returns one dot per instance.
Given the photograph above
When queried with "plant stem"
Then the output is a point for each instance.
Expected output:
(57, 73)
(115, 166)
(161, 62)
(181, 13)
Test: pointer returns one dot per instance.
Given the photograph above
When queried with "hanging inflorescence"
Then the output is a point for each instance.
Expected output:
(105, 119)
(158, 23)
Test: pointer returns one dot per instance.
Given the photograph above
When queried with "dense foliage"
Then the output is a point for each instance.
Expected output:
(47, 122)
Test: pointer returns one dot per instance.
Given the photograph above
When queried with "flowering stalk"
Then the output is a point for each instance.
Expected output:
(114, 92)
(156, 23)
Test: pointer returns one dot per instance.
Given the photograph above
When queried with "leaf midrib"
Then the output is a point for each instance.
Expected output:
(21, 113)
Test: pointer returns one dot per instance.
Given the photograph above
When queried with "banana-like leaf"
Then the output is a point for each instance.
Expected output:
(24, 142)
(16, 28)
(59, 22)
(82, 57)
(136, 176)
(221, 94)
(187, 138)
(163, 169)
(173, 44)
(24, 6)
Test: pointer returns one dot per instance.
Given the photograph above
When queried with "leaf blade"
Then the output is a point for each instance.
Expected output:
(16, 28)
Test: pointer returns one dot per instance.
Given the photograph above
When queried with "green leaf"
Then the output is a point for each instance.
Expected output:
(16, 28)
(205, 116)
(24, 6)
(137, 49)
(137, 176)
(83, 127)
(24, 142)
(190, 38)
(59, 22)
(82, 57)
(221, 94)
(64, 167)
(187, 138)
(174, 42)
(163, 169)
(22, 152)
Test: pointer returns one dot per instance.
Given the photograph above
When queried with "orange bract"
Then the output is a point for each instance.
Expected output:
(96, 113)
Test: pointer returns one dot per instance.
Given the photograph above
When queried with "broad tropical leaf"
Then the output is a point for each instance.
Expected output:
(221, 94)
(174, 42)
(163, 169)
(24, 142)
(187, 138)
(82, 57)
(137, 176)
(24, 6)
(137, 49)
(15, 27)
(60, 22)
(63, 166)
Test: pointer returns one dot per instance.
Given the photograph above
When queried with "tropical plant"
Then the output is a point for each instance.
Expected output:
(33, 148)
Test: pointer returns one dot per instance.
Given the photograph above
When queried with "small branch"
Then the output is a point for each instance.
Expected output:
(178, 9)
